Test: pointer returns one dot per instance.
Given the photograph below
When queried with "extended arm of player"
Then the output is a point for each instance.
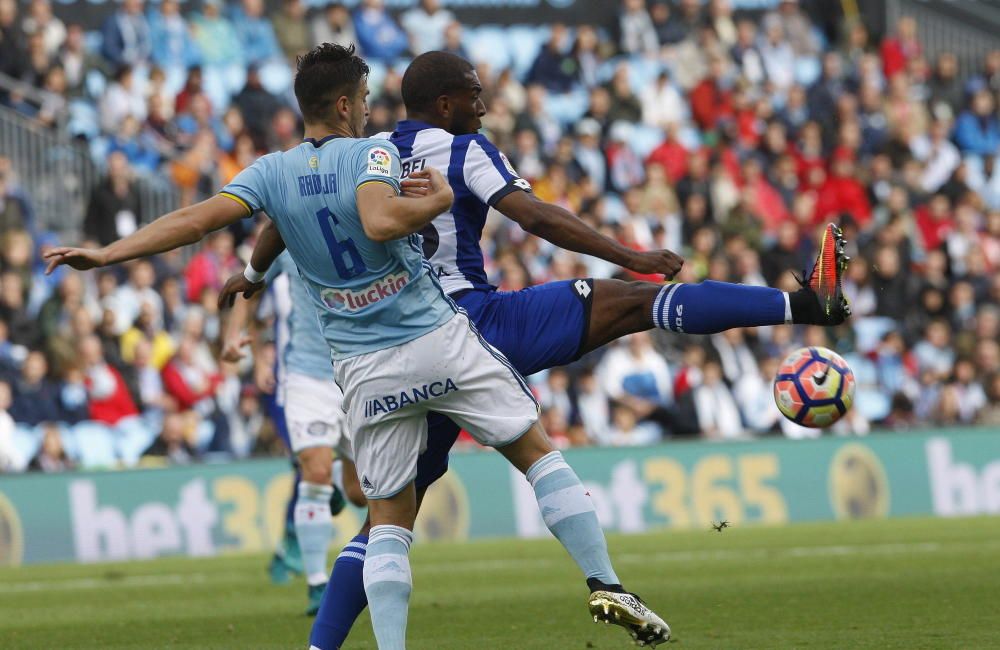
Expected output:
(173, 230)
(386, 216)
(566, 230)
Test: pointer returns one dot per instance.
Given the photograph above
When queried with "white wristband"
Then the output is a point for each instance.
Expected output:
(252, 274)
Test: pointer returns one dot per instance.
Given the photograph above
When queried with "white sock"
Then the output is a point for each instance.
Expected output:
(314, 528)
(388, 583)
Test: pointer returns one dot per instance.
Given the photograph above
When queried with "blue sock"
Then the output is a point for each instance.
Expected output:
(314, 528)
(388, 583)
(344, 598)
(710, 307)
(569, 514)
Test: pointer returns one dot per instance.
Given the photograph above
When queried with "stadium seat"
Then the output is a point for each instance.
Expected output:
(94, 445)
(95, 83)
(376, 75)
(92, 41)
(869, 330)
(133, 435)
(645, 138)
(643, 71)
(27, 441)
(488, 44)
(204, 435)
(83, 120)
(567, 108)
(807, 70)
(216, 87)
(524, 43)
(99, 148)
(275, 76)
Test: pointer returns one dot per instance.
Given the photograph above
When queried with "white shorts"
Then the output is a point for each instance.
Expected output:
(314, 412)
(451, 371)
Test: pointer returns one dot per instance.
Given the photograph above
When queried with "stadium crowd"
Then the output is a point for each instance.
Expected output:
(730, 138)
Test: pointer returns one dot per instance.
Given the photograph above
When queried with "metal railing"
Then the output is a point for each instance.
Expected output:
(957, 28)
(57, 173)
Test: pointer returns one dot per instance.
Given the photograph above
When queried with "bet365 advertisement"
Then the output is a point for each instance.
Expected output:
(214, 509)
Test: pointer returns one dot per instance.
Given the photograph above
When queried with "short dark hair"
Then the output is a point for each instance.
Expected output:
(324, 74)
(431, 75)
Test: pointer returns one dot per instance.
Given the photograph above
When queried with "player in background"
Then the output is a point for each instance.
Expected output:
(311, 406)
(547, 325)
(399, 346)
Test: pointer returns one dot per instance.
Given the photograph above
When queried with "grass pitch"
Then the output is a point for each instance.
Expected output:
(911, 583)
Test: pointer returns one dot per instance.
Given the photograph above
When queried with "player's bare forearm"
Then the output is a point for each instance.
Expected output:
(176, 229)
(386, 216)
(267, 249)
(234, 339)
(564, 229)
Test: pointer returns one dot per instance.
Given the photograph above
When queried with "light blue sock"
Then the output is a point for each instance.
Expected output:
(569, 514)
(388, 583)
(314, 528)
(710, 307)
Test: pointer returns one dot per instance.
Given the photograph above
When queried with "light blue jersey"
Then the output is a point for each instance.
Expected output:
(369, 295)
(304, 350)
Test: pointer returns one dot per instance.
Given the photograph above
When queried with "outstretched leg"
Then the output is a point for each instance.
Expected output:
(345, 596)
(570, 516)
(620, 308)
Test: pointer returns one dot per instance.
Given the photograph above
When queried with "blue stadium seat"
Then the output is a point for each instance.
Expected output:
(376, 75)
(567, 108)
(175, 76)
(99, 148)
(133, 435)
(645, 139)
(615, 209)
(235, 76)
(92, 41)
(869, 330)
(216, 87)
(275, 76)
(488, 44)
(204, 435)
(83, 119)
(95, 83)
(607, 69)
(27, 441)
(642, 72)
(524, 43)
(94, 445)
(807, 70)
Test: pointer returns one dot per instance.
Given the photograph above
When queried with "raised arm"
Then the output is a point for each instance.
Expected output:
(267, 249)
(173, 230)
(566, 230)
(386, 216)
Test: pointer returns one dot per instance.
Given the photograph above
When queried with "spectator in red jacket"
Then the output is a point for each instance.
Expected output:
(711, 99)
(108, 398)
(671, 155)
(211, 266)
(842, 193)
(934, 221)
(899, 50)
(188, 382)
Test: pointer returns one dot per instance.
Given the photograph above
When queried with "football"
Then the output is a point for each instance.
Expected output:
(814, 387)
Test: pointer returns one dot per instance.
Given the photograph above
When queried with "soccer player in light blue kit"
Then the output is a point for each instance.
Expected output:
(311, 405)
(401, 349)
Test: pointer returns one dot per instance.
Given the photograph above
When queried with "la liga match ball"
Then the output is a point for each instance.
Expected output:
(814, 387)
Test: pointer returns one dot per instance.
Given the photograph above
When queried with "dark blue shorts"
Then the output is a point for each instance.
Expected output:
(535, 328)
